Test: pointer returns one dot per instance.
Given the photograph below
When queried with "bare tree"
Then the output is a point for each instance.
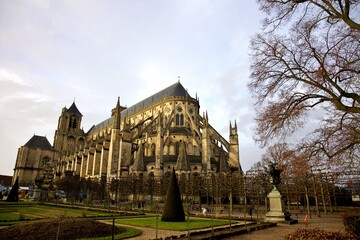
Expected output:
(281, 11)
(307, 59)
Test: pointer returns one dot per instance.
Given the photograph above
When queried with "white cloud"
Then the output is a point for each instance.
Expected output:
(6, 76)
(95, 51)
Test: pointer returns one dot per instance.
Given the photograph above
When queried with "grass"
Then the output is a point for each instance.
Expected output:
(128, 233)
(194, 223)
(14, 216)
(41, 211)
(12, 213)
(118, 217)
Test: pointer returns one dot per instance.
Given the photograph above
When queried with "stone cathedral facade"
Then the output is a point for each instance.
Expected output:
(157, 134)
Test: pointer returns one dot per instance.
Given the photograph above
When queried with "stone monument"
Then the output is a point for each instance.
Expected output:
(276, 213)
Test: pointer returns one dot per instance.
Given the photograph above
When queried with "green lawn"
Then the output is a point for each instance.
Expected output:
(11, 214)
(14, 216)
(194, 223)
(129, 232)
(40, 211)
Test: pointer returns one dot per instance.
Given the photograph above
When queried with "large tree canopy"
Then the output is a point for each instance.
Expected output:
(307, 58)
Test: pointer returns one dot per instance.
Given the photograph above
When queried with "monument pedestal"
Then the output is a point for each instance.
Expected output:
(276, 213)
(36, 195)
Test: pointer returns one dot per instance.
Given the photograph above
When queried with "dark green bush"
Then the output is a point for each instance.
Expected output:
(317, 234)
(173, 209)
(351, 221)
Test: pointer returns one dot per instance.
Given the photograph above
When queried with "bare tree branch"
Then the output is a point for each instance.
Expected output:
(314, 66)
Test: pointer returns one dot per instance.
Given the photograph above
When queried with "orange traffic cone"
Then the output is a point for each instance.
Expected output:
(306, 220)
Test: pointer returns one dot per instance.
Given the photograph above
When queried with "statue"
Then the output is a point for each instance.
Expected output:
(275, 214)
(274, 172)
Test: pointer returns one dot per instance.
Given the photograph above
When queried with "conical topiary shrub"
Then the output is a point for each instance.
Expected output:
(173, 209)
(14, 192)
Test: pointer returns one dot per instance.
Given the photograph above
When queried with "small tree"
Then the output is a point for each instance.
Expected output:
(13, 195)
(173, 209)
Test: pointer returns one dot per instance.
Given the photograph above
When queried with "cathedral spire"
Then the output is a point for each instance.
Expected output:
(116, 114)
(234, 158)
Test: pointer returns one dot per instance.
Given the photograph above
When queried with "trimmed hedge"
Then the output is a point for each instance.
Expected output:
(351, 221)
(173, 209)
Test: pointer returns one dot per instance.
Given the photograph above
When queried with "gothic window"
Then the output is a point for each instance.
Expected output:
(167, 110)
(191, 110)
(190, 149)
(233, 132)
(166, 150)
(171, 149)
(73, 122)
(71, 144)
(179, 116)
(196, 151)
(81, 144)
(153, 150)
(182, 119)
(179, 119)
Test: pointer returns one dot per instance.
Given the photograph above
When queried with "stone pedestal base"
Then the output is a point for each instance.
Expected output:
(36, 195)
(276, 213)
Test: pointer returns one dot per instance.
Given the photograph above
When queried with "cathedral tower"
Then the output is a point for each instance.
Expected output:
(68, 129)
(234, 159)
(69, 137)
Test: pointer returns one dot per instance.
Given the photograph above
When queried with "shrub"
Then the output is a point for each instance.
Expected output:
(173, 209)
(351, 221)
(316, 234)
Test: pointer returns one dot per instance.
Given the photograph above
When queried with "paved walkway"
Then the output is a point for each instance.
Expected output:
(331, 222)
(150, 233)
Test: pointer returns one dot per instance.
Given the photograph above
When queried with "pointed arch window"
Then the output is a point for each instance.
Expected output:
(73, 122)
(179, 119)
(179, 116)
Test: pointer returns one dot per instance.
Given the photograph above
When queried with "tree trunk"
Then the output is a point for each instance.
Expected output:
(334, 195)
(307, 201)
(315, 195)
(287, 195)
(322, 194)
(328, 194)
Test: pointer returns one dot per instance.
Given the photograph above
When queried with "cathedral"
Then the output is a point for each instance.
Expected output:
(157, 134)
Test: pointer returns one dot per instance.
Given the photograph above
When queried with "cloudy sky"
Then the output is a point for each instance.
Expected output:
(52, 52)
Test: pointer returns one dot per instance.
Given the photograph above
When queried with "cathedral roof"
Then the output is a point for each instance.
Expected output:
(73, 109)
(175, 90)
(39, 142)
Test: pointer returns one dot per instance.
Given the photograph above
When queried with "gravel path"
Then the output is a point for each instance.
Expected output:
(331, 222)
(150, 233)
